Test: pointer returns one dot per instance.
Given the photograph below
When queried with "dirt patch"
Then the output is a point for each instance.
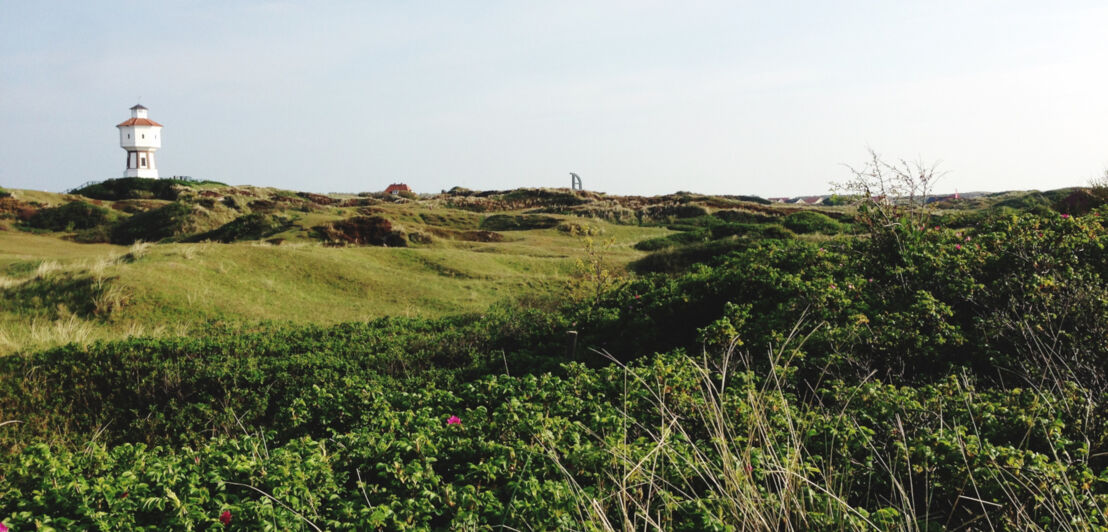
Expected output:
(262, 205)
(319, 199)
(13, 208)
(133, 206)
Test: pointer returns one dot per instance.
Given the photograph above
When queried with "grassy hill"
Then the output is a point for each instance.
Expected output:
(60, 288)
(545, 359)
(71, 270)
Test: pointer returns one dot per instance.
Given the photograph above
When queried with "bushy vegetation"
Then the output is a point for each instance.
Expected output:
(252, 226)
(749, 217)
(752, 199)
(137, 188)
(677, 259)
(664, 212)
(811, 222)
(523, 198)
(507, 222)
(361, 231)
(153, 225)
(918, 377)
(70, 217)
(579, 229)
(704, 241)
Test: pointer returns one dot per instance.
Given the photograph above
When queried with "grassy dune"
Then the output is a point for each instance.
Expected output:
(83, 292)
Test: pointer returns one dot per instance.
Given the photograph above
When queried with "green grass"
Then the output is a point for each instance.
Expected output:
(18, 248)
(175, 287)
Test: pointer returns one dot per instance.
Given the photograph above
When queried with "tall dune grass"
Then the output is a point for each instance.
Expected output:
(761, 471)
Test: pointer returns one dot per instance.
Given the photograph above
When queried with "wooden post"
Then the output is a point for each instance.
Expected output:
(571, 345)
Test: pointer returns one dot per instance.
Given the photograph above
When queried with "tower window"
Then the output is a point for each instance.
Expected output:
(142, 162)
(128, 135)
(144, 135)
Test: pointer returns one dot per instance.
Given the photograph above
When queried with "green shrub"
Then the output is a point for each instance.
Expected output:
(1080, 201)
(579, 229)
(811, 222)
(749, 217)
(137, 188)
(72, 216)
(750, 230)
(654, 244)
(154, 225)
(254, 226)
(676, 239)
(100, 234)
(459, 191)
(533, 197)
(523, 222)
(752, 199)
(361, 231)
(671, 211)
(420, 238)
(680, 258)
(1028, 201)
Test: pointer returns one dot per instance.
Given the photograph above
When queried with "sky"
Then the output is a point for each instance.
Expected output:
(637, 97)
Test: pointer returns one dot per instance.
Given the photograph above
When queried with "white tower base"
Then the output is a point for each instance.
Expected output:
(141, 164)
(141, 172)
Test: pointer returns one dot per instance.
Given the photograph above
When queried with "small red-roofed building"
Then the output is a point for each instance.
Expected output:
(397, 188)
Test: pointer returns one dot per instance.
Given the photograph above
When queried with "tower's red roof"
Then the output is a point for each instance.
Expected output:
(139, 122)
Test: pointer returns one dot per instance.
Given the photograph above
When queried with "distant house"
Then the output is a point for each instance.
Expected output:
(397, 188)
(779, 200)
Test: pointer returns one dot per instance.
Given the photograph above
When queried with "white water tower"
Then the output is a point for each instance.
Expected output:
(141, 137)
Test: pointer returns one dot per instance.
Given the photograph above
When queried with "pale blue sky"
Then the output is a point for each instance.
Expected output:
(766, 98)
